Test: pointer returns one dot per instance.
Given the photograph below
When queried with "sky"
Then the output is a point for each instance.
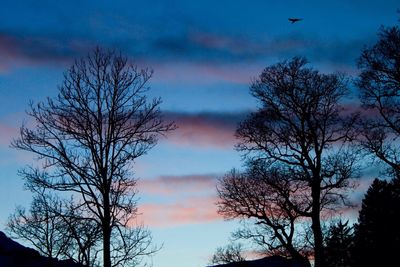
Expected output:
(204, 55)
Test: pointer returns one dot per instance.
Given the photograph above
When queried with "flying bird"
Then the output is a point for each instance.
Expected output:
(293, 20)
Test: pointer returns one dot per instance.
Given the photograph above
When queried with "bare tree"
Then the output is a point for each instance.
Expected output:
(379, 83)
(274, 198)
(57, 229)
(231, 253)
(300, 128)
(40, 227)
(87, 139)
(84, 231)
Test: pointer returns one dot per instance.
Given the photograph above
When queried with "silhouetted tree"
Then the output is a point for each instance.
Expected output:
(302, 129)
(87, 139)
(339, 244)
(57, 229)
(377, 233)
(379, 84)
(231, 253)
(273, 197)
(84, 231)
(40, 227)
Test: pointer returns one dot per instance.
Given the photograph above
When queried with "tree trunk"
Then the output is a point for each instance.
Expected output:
(106, 247)
(300, 259)
(106, 232)
(303, 262)
(316, 227)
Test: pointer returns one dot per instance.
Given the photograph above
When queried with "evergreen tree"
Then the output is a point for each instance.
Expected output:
(377, 234)
(338, 245)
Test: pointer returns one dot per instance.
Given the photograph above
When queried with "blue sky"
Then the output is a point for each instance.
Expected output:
(204, 55)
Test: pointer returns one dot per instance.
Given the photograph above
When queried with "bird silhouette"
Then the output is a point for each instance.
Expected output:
(293, 20)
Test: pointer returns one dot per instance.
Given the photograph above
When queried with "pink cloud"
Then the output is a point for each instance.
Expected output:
(7, 133)
(193, 200)
(168, 185)
(201, 134)
(188, 211)
(236, 73)
(205, 130)
(349, 212)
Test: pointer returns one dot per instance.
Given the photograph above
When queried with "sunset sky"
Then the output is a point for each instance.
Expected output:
(204, 55)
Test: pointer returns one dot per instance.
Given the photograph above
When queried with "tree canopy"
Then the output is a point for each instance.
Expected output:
(86, 140)
(298, 154)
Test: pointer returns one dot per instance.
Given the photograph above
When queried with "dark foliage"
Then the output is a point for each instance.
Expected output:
(377, 233)
(338, 245)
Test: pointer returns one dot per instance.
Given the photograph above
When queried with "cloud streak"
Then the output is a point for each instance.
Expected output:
(205, 130)
(33, 49)
(217, 129)
(190, 210)
(200, 130)
(172, 185)
(190, 44)
(185, 199)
